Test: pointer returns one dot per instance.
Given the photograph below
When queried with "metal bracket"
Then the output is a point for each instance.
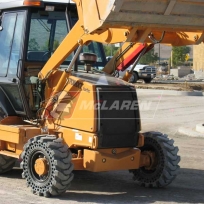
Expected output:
(152, 38)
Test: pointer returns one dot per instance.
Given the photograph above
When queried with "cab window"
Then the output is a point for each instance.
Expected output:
(10, 42)
(6, 38)
(47, 30)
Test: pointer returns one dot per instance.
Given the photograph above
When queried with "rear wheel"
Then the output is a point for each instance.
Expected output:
(165, 166)
(6, 163)
(147, 81)
(47, 165)
(134, 78)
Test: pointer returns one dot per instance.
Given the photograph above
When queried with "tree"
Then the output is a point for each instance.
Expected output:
(46, 46)
(110, 50)
(33, 44)
(149, 57)
(179, 54)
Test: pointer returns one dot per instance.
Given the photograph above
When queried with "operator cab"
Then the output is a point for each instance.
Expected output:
(30, 32)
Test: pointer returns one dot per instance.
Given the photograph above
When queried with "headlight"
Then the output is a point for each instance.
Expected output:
(142, 70)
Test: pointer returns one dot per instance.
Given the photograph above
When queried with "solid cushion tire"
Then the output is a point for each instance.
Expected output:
(167, 166)
(59, 176)
(6, 163)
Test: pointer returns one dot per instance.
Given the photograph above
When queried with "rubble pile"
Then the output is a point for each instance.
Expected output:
(168, 77)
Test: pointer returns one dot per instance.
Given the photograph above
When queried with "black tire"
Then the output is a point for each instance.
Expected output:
(147, 81)
(6, 163)
(58, 157)
(134, 78)
(166, 167)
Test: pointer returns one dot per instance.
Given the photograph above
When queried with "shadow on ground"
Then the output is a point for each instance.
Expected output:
(118, 187)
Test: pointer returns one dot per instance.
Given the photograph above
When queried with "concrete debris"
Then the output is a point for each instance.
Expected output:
(189, 77)
(166, 77)
(171, 77)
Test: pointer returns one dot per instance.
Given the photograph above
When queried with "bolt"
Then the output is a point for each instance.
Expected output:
(114, 151)
(132, 158)
(196, 37)
(126, 33)
(80, 41)
(103, 160)
(86, 30)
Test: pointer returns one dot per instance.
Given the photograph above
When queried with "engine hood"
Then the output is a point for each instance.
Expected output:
(100, 79)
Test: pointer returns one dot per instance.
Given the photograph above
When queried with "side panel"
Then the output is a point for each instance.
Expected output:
(14, 137)
(105, 160)
(74, 106)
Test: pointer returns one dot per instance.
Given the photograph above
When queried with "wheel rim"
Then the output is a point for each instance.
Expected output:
(39, 179)
(155, 172)
(41, 166)
(153, 168)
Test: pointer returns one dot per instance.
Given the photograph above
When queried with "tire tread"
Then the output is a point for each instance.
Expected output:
(62, 162)
(170, 168)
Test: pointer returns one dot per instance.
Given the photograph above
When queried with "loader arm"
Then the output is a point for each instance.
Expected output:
(113, 21)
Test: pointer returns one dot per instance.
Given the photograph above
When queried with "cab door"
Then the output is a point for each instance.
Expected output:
(12, 99)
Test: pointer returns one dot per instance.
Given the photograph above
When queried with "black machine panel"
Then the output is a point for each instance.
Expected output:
(118, 116)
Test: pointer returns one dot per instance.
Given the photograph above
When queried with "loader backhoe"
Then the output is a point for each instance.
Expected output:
(58, 113)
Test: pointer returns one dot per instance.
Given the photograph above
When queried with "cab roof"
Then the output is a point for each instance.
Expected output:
(6, 4)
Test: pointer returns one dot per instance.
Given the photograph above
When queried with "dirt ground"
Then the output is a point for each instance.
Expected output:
(182, 86)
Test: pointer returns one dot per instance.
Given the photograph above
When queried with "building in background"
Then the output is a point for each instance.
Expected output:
(198, 57)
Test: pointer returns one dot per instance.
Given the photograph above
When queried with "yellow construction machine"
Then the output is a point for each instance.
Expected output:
(59, 113)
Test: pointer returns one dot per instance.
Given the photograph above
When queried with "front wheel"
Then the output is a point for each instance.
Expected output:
(147, 81)
(165, 166)
(47, 165)
(133, 78)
